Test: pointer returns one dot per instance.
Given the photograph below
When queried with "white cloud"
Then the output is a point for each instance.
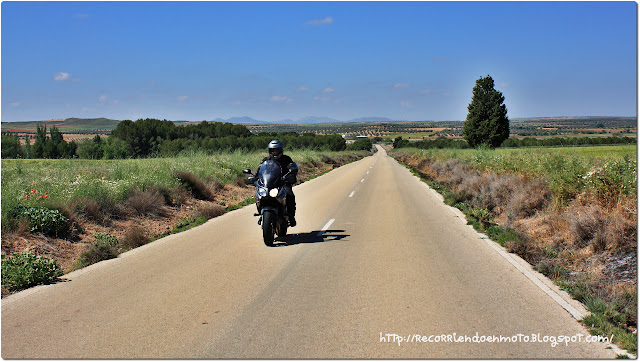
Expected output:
(14, 104)
(406, 104)
(504, 85)
(427, 91)
(328, 90)
(81, 16)
(302, 89)
(401, 85)
(182, 98)
(281, 99)
(327, 20)
(61, 76)
(106, 100)
(438, 59)
(322, 99)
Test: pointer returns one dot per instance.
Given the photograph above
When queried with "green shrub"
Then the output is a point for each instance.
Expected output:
(104, 247)
(188, 223)
(24, 270)
(45, 220)
(363, 144)
(484, 216)
(551, 269)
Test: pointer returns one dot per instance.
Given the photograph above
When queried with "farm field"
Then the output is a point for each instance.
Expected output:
(540, 161)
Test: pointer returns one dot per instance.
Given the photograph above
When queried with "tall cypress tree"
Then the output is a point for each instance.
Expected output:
(487, 122)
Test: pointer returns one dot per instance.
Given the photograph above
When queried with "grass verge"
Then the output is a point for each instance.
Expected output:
(468, 190)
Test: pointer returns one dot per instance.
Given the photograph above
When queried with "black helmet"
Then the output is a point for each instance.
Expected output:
(275, 149)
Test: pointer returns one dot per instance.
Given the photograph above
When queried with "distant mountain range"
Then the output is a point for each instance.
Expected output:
(244, 119)
(305, 120)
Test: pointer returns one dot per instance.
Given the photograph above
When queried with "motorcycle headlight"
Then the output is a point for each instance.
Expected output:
(262, 192)
(273, 192)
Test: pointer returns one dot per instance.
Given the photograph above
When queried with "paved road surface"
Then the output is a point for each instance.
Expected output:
(394, 260)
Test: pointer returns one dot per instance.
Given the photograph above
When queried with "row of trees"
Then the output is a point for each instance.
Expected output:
(292, 141)
(44, 146)
(567, 141)
(153, 137)
(145, 136)
(516, 143)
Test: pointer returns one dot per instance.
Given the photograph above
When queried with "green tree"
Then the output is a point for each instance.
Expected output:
(11, 146)
(27, 147)
(487, 122)
(399, 142)
(363, 144)
(40, 141)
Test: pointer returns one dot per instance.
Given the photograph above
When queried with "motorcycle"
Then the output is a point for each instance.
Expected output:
(271, 197)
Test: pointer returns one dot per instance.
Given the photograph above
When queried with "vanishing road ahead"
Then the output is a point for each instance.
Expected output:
(375, 254)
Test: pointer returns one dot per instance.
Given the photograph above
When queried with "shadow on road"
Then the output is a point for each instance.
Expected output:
(310, 238)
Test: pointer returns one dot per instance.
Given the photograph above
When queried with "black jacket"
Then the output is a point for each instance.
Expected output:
(284, 161)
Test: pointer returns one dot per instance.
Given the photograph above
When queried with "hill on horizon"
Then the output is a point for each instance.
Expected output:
(64, 125)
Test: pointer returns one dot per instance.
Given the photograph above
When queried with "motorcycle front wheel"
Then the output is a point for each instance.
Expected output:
(281, 230)
(268, 219)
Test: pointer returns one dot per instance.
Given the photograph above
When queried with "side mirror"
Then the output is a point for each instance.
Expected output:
(247, 171)
(292, 167)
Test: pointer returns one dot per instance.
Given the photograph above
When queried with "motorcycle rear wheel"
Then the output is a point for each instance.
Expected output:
(267, 227)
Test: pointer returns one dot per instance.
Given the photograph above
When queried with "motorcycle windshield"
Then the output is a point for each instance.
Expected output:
(270, 173)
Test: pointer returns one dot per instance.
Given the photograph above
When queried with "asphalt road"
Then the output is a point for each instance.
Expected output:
(395, 263)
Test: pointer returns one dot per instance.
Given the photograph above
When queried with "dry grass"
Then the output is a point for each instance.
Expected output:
(145, 203)
(134, 237)
(176, 196)
(209, 210)
(196, 186)
(101, 211)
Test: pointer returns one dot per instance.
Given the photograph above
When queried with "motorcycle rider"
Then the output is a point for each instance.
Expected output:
(276, 153)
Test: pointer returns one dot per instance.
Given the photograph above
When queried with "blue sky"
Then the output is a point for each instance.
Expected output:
(287, 60)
